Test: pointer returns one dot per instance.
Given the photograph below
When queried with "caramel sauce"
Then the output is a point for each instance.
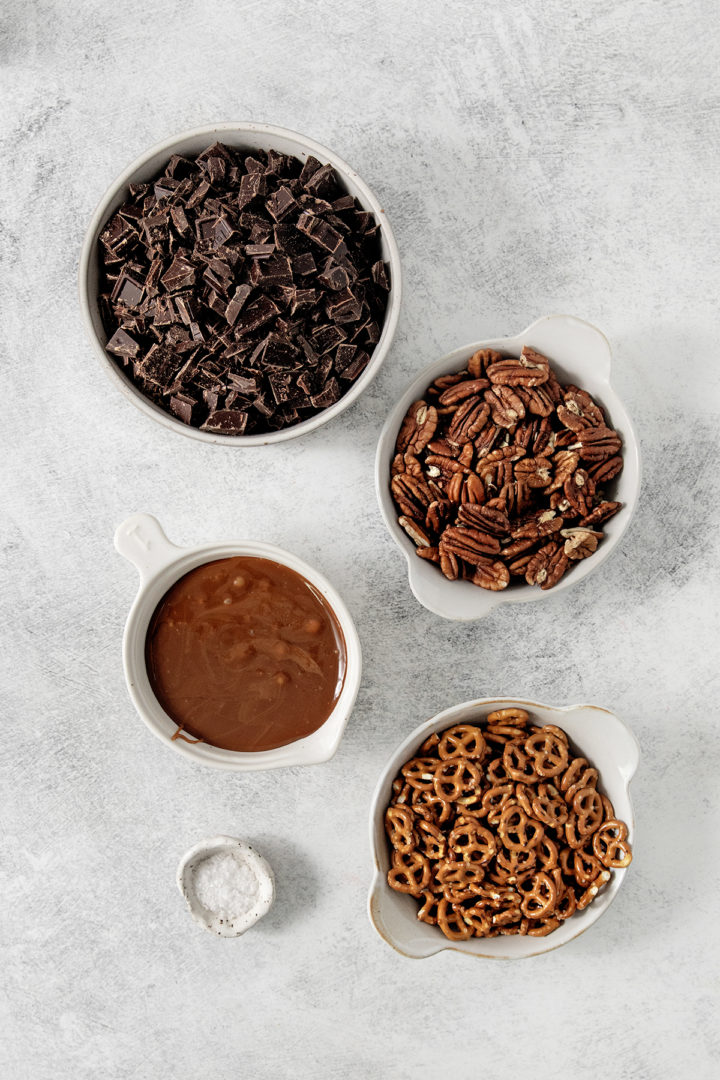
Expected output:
(245, 654)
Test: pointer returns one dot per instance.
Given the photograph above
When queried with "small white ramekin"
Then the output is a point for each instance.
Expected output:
(140, 539)
(218, 845)
(596, 733)
(580, 354)
(248, 136)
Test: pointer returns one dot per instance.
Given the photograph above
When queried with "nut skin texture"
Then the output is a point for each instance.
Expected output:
(498, 471)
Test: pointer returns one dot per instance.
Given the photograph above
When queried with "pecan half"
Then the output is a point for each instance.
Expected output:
(494, 522)
(461, 390)
(412, 495)
(418, 427)
(580, 543)
(547, 566)
(478, 362)
(531, 368)
(468, 421)
(536, 400)
(415, 531)
(468, 544)
(438, 514)
(580, 491)
(565, 463)
(597, 443)
(600, 514)
(430, 553)
(535, 472)
(605, 471)
(494, 576)
(505, 405)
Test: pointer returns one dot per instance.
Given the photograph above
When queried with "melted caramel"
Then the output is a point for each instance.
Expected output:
(245, 654)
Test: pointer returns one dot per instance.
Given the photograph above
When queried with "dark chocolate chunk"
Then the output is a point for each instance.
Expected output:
(179, 275)
(237, 303)
(328, 395)
(280, 203)
(259, 312)
(304, 264)
(122, 344)
(183, 406)
(379, 275)
(226, 422)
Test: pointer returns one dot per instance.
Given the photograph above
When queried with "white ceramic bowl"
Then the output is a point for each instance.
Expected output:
(580, 354)
(160, 564)
(598, 734)
(251, 137)
(253, 859)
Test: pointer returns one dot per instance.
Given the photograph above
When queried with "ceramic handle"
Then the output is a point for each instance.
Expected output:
(142, 542)
(564, 337)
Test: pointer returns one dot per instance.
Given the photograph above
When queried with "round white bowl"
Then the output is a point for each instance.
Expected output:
(250, 137)
(263, 872)
(141, 540)
(580, 354)
(598, 734)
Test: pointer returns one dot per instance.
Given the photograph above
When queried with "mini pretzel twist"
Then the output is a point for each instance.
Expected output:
(514, 843)
(610, 844)
(548, 752)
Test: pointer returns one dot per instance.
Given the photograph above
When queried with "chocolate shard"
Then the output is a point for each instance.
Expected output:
(304, 265)
(322, 233)
(280, 203)
(322, 182)
(333, 276)
(344, 307)
(326, 338)
(379, 275)
(310, 167)
(328, 395)
(159, 367)
(259, 251)
(226, 422)
(183, 406)
(237, 303)
(274, 271)
(256, 315)
(128, 291)
(275, 353)
(358, 364)
(179, 275)
(118, 236)
(122, 344)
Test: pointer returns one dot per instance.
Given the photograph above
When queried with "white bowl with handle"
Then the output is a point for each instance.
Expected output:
(579, 354)
(596, 733)
(160, 563)
(247, 136)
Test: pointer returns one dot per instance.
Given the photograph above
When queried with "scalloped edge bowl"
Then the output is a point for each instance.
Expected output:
(597, 733)
(579, 353)
(253, 137)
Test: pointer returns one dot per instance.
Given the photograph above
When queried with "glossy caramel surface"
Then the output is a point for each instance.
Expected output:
(245, 654)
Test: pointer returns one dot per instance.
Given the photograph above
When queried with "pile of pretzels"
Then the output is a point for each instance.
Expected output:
(501, 829)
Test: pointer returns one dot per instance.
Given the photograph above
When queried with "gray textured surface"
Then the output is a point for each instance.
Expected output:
(532, 158)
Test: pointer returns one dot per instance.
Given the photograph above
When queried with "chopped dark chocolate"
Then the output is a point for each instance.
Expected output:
(242, 294)
(226, 422)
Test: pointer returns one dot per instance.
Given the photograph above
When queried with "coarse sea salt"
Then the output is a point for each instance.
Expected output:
(226, 885)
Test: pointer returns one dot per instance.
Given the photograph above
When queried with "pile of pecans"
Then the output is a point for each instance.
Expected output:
(500, 471)
(501, 829)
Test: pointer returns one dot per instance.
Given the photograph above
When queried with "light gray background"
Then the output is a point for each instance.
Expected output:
(532, 157)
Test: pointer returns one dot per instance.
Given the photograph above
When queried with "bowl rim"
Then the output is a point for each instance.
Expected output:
(446, 718)
(171, 562)
(449, 363)
(392, 314)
